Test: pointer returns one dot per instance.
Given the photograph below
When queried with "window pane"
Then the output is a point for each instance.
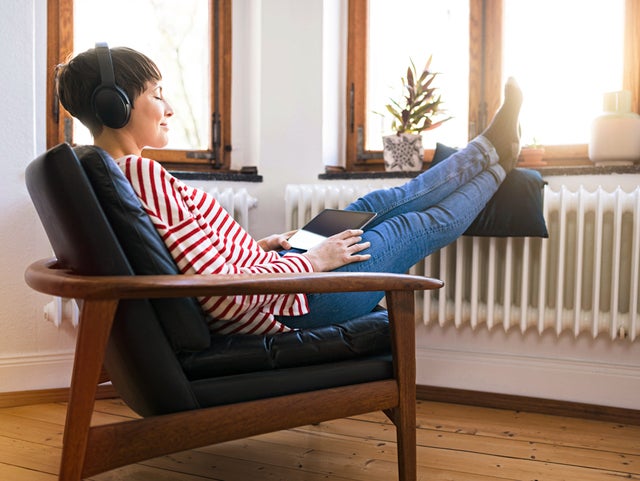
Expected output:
(405, 30)
(176, 36)
(566, 55)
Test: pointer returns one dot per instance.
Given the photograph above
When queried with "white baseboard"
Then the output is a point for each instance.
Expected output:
(35, 371)
(573, 370)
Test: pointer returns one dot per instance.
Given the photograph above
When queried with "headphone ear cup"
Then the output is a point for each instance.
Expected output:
(112, 106)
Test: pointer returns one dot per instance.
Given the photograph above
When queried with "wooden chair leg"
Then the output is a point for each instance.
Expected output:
(402, 317)
(94, 327)
(406, 435)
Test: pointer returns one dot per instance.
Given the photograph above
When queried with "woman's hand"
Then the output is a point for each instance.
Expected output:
(338, 250)
(276, 242)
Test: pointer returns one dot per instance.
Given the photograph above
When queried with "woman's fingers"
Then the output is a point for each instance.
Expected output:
(338, 250)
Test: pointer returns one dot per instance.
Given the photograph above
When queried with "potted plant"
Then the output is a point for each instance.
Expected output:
(414, 114)
(531, 155)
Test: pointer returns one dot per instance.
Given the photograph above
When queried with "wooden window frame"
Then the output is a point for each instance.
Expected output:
(485, 80)
(218, 156)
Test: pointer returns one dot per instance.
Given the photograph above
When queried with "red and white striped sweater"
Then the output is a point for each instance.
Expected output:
(204, 239)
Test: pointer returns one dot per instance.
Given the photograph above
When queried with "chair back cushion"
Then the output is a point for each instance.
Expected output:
(78, 230)
(182, 319)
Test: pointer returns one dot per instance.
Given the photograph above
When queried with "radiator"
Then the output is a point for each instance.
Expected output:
(236, 202)
(585, 278)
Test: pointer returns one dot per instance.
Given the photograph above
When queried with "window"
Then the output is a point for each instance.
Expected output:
(567, 68)
(192, 50)
(565, 55)
(387, 61)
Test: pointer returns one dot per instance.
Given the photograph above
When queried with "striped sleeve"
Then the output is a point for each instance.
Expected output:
(204, 239)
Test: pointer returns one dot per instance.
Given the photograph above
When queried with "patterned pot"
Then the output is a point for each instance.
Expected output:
(402, 152)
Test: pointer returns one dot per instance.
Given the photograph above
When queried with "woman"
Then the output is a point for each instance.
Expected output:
(413, 220)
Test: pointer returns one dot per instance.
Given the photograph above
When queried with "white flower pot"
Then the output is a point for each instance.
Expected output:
(402, 152)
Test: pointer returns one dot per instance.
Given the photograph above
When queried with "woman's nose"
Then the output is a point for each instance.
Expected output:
(168, 110)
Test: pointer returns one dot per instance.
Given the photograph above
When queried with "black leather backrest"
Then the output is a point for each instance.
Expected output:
(78, 230)
(140, 360)
(182, 319)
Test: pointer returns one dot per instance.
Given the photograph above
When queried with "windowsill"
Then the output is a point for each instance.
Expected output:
(545, 171)
(227, 176)
(589, 170)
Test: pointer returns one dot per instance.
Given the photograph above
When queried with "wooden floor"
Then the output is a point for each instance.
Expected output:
(456, 443)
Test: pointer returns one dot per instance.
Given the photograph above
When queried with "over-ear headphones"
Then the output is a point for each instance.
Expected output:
(110, 103)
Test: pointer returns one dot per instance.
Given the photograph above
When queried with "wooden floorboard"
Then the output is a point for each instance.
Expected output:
(455, 443)
(14, 473)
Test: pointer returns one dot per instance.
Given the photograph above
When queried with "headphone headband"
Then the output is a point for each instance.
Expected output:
(107, 77)
(110, 103)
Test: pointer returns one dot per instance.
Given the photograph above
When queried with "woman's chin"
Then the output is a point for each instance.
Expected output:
(158, 145)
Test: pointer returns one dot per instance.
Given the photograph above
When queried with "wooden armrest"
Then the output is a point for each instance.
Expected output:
(46, 277)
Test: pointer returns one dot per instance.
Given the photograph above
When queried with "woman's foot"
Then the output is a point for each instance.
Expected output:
(504, 130)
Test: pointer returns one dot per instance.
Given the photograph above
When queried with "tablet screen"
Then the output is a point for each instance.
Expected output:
(332, 221)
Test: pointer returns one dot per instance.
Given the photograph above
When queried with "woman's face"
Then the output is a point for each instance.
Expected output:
(149, 117)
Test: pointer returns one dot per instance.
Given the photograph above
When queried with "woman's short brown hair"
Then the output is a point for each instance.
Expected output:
(78, 78)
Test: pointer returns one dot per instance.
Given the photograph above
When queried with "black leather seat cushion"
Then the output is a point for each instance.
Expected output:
(236, 354)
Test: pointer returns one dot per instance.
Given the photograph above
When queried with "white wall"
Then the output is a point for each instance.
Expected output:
(32, 352)
(287, 102)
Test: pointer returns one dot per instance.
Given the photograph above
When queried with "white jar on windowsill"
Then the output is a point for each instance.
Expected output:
(615, 135)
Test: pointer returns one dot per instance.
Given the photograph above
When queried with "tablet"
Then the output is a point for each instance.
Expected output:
(327, 223)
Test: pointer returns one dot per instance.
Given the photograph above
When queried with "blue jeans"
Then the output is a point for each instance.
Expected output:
(414, 220)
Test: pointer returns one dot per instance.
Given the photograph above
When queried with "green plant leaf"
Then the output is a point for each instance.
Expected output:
(419, 105)
(437, 124)
(396, 113)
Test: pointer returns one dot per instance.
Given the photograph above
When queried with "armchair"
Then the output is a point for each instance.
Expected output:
(139, 320)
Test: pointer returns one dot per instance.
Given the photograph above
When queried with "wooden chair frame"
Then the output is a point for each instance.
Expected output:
(89, 450)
